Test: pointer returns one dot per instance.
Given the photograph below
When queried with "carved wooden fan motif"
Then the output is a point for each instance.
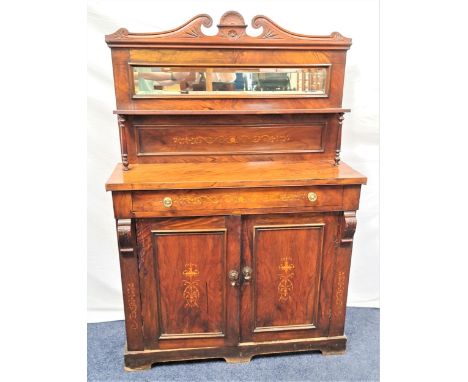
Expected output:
(231, 29)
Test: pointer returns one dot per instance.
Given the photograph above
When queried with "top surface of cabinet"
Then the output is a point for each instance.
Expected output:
(184, 70)
(234, 174)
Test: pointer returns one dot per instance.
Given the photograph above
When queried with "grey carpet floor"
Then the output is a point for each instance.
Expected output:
(360, 363)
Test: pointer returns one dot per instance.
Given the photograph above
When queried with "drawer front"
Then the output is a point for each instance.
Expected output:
(237, 200)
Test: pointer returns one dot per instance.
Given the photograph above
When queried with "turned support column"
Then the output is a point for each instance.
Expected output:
(123, 141)
(338, 139)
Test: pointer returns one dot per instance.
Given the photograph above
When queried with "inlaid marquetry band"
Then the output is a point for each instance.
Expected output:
(132, 306)
(182, 201)
(339, 294)
(231, 139)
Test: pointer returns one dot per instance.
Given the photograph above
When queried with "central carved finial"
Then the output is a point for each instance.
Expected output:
(232, 25)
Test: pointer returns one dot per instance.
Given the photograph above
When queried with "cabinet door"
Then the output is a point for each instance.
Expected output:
(187, 299)
(290, 287)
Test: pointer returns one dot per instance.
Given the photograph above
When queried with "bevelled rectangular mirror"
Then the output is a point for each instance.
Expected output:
(166, 81)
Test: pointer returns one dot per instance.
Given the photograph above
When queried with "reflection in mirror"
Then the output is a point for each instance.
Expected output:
(185, 80)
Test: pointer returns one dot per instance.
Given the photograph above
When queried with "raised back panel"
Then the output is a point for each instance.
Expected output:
(183, 96)
(152, 139)
(189, 49)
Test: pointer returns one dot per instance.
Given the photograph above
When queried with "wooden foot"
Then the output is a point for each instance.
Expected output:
(138, 368)
(237, 359)
(333, 352)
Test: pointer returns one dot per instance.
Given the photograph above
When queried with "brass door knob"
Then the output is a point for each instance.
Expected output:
(233, 276)
(312, 196)
(167, 202)
(247, 274)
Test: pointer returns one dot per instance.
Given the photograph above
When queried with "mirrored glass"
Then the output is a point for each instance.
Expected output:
(185, 80)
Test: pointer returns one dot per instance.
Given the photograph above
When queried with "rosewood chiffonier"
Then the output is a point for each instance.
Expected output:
(235, 215)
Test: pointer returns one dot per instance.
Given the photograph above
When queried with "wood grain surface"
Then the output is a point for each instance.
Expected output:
(237, 174)
(235, 213)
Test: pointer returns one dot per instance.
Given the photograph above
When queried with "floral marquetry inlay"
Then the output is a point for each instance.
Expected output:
(132, 306)
(230, 139)
(339, 295)
(286, 276)
(191, 292)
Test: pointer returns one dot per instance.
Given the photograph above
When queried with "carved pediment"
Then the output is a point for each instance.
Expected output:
(231, 32)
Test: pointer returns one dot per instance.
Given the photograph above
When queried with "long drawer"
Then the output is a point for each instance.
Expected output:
(246, 200)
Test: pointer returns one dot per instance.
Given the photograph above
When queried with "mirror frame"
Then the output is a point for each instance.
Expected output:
(260, 94)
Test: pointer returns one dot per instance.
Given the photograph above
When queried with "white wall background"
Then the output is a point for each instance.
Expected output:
(357, 19)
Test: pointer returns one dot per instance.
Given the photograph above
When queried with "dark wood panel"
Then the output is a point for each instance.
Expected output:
(183, 266)
(130, 283)
(239, 105)
(292, 257)
(234, 199)
(183, 140)
(190, 268)
(287, 265)
(341, 272)
(215, 138)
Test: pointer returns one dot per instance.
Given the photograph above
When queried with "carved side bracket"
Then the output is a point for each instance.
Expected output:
(126, 238)
(338, 139)
(349, 227)
(123, 141)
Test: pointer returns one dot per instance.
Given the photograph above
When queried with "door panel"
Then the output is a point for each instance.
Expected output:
(287, 261)
(190, 264)
(287, 295)
(186, 298)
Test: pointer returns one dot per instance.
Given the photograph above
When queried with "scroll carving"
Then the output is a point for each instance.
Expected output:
(123, 141)
(191, 29)
(231, 29)
(349, 227)
(125, 237)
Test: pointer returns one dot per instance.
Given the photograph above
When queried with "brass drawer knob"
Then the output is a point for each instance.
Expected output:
(247, 274)
(233, 276)
(167, 202)
(312, 196)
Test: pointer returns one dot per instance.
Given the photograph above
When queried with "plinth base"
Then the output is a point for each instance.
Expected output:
(142, 360)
